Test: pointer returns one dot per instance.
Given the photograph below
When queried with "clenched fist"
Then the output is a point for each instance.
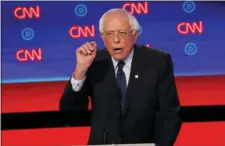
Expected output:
(85, 56)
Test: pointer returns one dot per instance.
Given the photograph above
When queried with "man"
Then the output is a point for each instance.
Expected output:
(132, 88)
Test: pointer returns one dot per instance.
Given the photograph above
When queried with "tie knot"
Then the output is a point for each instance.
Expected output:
(121, 64)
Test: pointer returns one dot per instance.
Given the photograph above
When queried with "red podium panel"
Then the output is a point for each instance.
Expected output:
(191, 134)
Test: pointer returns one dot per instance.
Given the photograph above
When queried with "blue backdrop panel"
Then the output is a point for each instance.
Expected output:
(193, 54)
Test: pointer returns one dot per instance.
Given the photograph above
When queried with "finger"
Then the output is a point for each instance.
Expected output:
(90, 46)
(93, 43)
(82, 50)
(88, 50)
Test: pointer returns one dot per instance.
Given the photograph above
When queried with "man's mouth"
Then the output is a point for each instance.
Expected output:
(117, 50)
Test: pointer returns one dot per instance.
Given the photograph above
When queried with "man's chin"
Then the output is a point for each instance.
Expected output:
(118, 56)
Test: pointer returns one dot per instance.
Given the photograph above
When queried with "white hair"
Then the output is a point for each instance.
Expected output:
(133, 21)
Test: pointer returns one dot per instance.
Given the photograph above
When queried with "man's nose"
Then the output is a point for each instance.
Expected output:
(116, 38)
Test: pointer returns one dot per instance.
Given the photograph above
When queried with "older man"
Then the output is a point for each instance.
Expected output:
(133, 92)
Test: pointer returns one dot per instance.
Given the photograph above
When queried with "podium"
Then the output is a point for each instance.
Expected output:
(146, 144)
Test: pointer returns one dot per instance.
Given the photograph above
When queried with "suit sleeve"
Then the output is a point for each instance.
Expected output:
(167, 121)
(74, 101)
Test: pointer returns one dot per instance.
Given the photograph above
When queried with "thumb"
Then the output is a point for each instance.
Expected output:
(94, 45)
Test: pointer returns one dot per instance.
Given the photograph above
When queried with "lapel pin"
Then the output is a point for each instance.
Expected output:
(136, 76)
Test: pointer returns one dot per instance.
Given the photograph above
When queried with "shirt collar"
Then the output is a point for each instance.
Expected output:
(127, 60)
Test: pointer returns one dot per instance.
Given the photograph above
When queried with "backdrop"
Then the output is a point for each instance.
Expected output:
(39, 38)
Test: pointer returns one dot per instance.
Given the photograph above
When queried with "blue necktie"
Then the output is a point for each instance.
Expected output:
(121, 83)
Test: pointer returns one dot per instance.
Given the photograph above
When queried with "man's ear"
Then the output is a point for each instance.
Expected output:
(137, 33)
(136, 36)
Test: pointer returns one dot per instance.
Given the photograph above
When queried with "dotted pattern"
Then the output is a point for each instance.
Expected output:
(121, 84)
(189, 7)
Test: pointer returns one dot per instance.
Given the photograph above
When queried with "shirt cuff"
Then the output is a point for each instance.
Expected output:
(77, 84)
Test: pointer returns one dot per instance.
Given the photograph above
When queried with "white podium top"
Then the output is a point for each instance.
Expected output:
(146, 144)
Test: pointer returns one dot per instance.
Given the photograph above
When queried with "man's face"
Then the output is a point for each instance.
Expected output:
(118, 36)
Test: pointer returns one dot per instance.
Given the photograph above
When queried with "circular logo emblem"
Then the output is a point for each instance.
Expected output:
(189, 6)
(190, 49)
(27, 34)
(81, 10)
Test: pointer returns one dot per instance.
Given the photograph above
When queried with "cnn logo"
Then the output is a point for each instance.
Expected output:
(82, 31)
(25, 55)
(190, 28)
(22, 12)
(138, 8)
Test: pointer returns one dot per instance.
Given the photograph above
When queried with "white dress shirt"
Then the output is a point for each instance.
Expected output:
(77, 84)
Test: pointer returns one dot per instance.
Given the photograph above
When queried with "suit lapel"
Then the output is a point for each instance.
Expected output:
(136, 74)
(109, 77)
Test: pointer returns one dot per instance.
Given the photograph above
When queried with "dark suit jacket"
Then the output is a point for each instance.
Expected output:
(152, 101)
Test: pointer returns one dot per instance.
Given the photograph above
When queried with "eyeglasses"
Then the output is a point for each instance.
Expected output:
(121, 33)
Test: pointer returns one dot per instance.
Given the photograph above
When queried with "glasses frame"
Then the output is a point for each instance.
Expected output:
(121, 33)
